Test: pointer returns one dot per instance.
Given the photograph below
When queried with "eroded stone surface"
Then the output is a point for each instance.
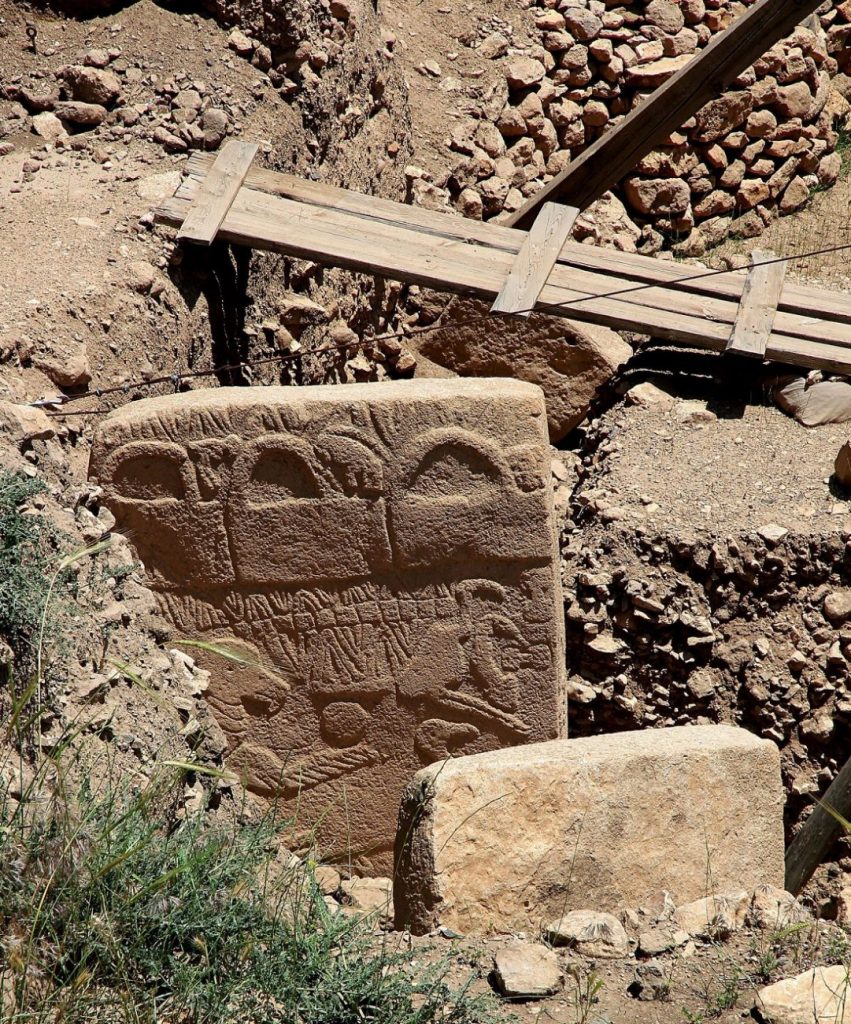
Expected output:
(570, 361)
(819, 996)
(506, 839)
(384, 552)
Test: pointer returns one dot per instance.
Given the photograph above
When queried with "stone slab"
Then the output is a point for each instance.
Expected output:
(818, 996)
(384, 557)
(512, 839)
(571, 361)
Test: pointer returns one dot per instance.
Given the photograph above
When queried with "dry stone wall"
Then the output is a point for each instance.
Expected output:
(755, 152)
(669, 629)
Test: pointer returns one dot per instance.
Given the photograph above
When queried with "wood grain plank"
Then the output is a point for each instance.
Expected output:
(617, 151)
(336, 237)
(661, 283)
(802, 300)
(217, 191)
(406, 255)
(534, 262)
(758, 306)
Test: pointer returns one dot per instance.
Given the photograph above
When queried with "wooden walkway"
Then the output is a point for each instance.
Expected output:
(308, 220)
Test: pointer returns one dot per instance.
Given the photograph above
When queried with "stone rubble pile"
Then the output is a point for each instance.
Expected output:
(131, 100)
(754, 628)
(127, 100)
(757, 151)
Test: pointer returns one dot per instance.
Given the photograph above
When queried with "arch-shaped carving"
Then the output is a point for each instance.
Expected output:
(451, 462)
(149, 472)
(456, 501)
(289, 522)
(153, 490)
(351, 465)
(275, 469)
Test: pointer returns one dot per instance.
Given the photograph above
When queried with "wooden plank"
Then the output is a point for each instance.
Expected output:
(534, 262)
(404, 254)
(218, 190)
(355, 243)
(658, 279)
(800, 299)
(758, 306)
(617, 151)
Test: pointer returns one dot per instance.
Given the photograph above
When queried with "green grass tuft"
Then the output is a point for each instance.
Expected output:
(114, 908)
(28, 546)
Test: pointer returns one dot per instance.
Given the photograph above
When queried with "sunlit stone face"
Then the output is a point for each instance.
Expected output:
(385, 552)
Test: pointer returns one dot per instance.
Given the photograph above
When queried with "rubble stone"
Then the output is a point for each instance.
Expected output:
(570, 361)
(524, 72)
(90, 115)
(658, 195)
(23, 424)
(48, 126)
(527, 970)
(715, 916)
(842, 466)
(589, 932)
(814, 997)
(92, 85)
(774, 909)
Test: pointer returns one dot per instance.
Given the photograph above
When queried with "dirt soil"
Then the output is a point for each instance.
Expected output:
(436, 45)
(75, 238)
(749, 466)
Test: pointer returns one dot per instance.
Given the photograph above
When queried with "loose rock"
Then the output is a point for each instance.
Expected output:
(527, 970)
(589, 933)
(818, 996)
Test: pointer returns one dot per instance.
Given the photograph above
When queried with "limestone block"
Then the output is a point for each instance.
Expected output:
(819, 996)
(382, 557)
(24, 424)
(590, 932)
(527, 970)
(508, 839)
(715, 916)
(570, 361)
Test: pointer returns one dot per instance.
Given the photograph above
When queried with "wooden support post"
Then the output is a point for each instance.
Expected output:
(534, 262)
(619, 149)
(818, 833)
(758, 305)
(217, 192)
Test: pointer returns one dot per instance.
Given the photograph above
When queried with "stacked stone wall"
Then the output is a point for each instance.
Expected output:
(757, 151)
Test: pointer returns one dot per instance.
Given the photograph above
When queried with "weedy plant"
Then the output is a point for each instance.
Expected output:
(28, 552)
(114, 909)
(587, 986)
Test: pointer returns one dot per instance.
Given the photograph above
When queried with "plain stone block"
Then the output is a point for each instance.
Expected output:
(511, 839)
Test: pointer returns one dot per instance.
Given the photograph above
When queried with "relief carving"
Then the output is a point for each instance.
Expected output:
(384, 553)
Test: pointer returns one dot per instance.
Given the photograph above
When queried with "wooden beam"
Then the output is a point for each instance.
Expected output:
(818, 833)
(404, 253)
(803, 300)
(807, 313)
(217, 192)
(535, 260)
(618, 150)
(758, 306)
